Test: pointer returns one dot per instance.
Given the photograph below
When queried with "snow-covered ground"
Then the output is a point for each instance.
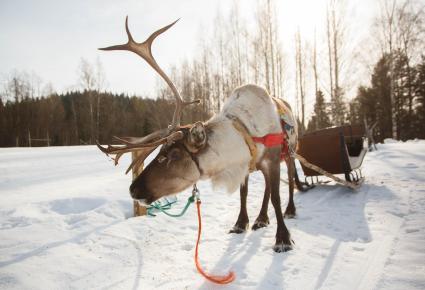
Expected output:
(65, 223)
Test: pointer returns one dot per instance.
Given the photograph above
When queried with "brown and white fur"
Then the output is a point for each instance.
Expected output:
(216, 150)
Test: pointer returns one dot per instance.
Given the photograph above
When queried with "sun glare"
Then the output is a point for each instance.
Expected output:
(305, 15)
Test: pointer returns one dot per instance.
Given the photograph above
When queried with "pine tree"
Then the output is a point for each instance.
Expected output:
(321, 118)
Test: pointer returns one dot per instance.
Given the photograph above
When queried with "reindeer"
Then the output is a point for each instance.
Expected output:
(223, 149)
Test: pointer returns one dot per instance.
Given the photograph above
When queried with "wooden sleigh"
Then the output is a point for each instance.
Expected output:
(336, 150)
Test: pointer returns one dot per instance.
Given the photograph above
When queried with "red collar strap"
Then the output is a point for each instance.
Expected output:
(271, 140)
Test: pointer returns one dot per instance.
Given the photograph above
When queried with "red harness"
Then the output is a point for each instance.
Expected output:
(271, 140)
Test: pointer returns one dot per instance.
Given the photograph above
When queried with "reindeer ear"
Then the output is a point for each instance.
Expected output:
(197, 137)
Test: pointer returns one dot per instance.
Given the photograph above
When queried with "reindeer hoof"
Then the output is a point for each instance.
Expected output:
(260, 224)
(289, 215)
(281, 248)
(238, 230)
(290, 212)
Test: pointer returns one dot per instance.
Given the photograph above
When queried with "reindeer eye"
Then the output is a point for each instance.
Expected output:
(161, 159)
(174, 154)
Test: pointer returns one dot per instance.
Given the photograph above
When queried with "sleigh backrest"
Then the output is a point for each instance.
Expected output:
(337, 150)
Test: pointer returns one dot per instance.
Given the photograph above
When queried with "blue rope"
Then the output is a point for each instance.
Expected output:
(165, 207)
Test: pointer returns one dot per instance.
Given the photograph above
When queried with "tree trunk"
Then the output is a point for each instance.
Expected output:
(74, 113)
(139, 209)
(331, 90)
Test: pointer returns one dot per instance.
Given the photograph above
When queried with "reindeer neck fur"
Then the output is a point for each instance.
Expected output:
(225, 158)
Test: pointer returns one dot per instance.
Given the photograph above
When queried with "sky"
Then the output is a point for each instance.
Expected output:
(49, 37)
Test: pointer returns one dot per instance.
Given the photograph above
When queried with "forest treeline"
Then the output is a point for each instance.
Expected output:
(234, 54)
(66, 119)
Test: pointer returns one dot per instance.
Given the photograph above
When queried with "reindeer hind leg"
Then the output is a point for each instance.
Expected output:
(301, 186)
(290, 211)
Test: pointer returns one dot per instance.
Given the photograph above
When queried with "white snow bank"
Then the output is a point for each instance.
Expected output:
(64, 224)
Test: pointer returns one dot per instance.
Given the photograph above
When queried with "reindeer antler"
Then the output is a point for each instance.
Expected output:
(128, 145)
(144, 50)
(168, 135)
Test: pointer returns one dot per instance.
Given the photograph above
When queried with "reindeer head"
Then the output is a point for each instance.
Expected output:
(175, 167)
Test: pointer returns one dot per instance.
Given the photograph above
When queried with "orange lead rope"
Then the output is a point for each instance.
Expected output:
(230, 277)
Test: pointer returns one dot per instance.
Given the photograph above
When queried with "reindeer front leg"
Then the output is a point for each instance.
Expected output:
(242, 223)
(283, 238)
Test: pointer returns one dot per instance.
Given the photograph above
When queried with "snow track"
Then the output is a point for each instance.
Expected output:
(65, 223)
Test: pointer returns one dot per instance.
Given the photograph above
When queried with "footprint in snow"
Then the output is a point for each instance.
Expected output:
(187, 247)
(73, 219)
(409, 231)
(358, 249)
(75, 205)
(411, 165)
